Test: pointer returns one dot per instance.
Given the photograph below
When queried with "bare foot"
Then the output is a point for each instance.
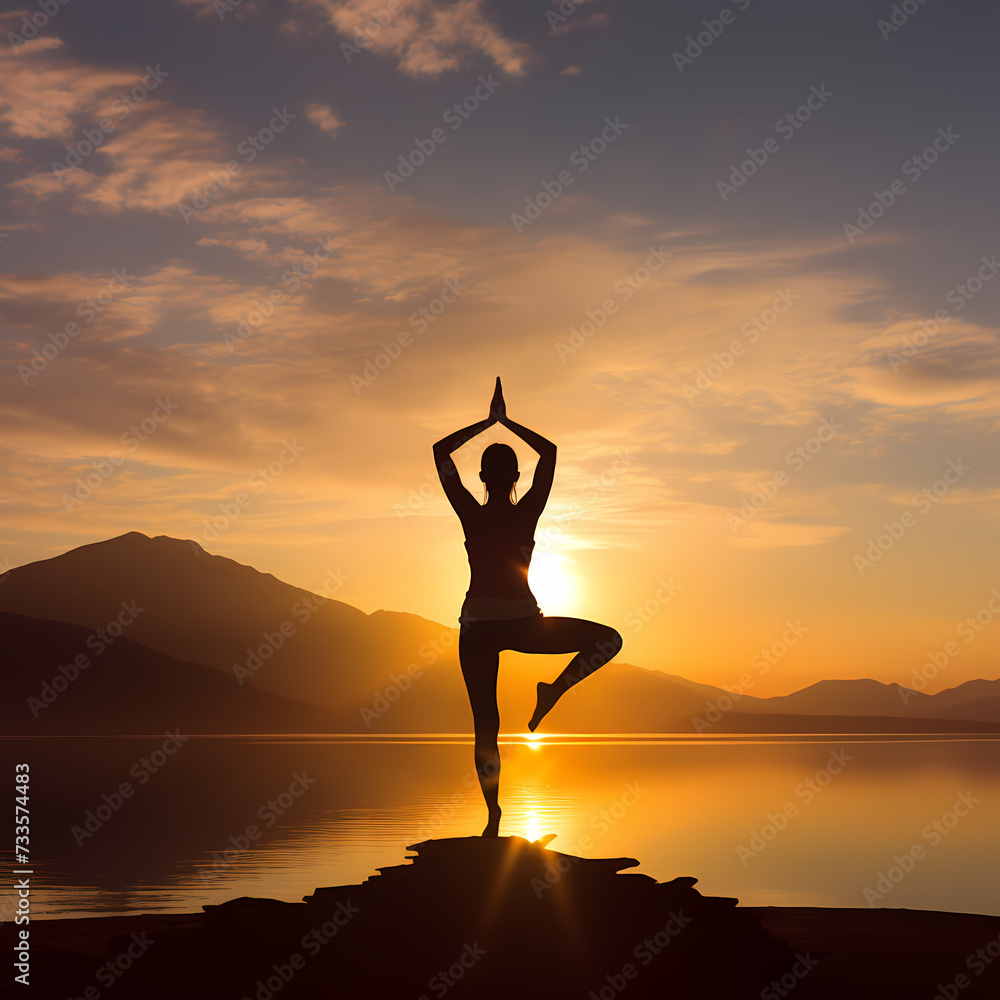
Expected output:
(547, 697)
(492, 828)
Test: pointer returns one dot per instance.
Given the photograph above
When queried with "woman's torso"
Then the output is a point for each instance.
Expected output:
(499, 542)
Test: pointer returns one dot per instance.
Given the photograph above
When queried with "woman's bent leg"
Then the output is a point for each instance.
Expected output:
(594, 644)
(480, 657)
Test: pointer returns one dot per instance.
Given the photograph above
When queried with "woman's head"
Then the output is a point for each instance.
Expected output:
(499, 468)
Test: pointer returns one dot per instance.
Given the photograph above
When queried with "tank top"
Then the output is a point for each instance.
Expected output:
(499, 551)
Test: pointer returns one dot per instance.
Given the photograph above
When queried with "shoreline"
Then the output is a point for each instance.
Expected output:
(512, 918)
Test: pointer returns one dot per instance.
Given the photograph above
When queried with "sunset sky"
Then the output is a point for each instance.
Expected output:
(176, 164)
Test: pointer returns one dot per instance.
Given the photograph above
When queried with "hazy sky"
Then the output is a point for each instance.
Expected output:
(663, 246)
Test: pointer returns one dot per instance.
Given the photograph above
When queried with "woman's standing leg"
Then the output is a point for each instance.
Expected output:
(479, 656)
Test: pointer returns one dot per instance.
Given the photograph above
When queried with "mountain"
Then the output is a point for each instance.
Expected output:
(977, 700)
(66, 683)
(383, 672)
(173, 596)
(847, 697)
(982, 710)
(966, 694)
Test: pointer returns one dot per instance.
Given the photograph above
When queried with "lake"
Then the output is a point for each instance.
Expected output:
(130, 825)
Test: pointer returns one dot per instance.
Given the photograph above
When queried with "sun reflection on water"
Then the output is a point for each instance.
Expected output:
(532, 812)
(532, 829)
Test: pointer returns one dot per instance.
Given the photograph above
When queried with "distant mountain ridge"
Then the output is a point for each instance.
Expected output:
(63, 685)
(385, 672)
(974, 700)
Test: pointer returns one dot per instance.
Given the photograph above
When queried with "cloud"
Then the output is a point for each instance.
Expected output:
(251, 249)
(44, 90)
(521, 297)
(561, 21)
(776, 534)
(425, 37)
(118, 153)
(323, 118)
(392, 252)
(109, 307)
(237, 9)
(904, 367)
(156, 161)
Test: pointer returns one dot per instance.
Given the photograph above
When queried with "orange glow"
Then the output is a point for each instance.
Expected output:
(554, 583)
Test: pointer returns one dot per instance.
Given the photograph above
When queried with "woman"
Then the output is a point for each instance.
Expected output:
(500, 611)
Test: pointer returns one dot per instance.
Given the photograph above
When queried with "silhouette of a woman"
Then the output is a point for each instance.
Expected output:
(500, 612)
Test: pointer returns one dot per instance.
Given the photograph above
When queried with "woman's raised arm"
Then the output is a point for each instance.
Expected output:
(458, 496)
(498, 411)
(541, 482)
(444, 447)
(543, 446)
(455, 440)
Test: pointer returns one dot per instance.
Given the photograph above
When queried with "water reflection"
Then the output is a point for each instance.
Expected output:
(774, 821)
(533, 812)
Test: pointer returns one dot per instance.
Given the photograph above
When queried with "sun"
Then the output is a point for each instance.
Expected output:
(553, 582)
